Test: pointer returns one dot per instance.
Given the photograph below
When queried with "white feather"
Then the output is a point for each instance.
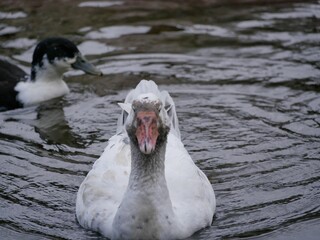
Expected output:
(48, 84)
(125, 106)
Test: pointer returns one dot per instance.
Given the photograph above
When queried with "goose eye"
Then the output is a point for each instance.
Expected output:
(134, 108)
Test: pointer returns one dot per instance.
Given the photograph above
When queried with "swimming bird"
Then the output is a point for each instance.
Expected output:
(52, 57)
(145, 184)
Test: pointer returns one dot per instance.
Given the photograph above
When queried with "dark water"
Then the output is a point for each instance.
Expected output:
(245, 79)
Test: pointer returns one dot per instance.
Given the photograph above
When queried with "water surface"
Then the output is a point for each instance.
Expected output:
(244, 77)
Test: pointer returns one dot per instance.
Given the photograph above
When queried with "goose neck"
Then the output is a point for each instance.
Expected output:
(147, 169)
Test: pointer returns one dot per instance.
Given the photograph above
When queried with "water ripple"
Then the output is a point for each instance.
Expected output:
(245, 80)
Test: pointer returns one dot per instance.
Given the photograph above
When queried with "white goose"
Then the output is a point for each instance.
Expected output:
(145, 185)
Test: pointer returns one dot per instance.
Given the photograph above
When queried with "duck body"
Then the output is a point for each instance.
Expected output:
(10, 77)
(48, 85)
(135, 191)
(52, 57)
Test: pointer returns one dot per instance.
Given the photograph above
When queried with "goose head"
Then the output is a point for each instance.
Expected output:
(53, 57)
(147, 124)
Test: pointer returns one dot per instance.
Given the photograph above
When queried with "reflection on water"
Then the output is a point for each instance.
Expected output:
(100, 4)
(117, 31)
(19, 43)
(7, 30)
(12, 15)
(94, 48)
(244, 77)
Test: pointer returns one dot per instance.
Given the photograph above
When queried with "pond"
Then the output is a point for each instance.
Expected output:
(244, 76)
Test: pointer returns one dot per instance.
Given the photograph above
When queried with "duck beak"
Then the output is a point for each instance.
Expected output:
(83, 64)
(147, 131)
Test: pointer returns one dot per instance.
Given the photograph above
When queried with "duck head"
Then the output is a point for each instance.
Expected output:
(53, 57)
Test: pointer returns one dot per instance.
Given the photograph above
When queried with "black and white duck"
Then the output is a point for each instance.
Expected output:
(52, 57)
